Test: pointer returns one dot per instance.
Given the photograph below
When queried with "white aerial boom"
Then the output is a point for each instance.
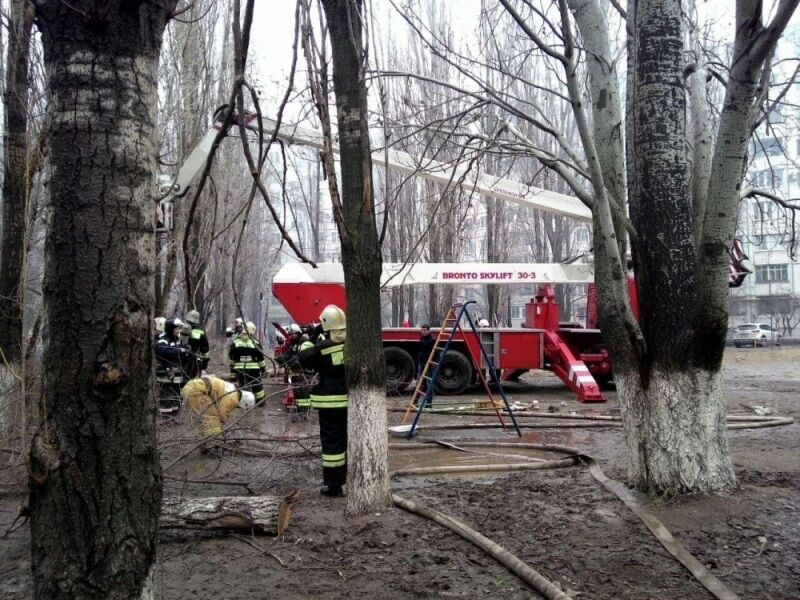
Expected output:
(443, 173)
(446, 174)
(454, 174)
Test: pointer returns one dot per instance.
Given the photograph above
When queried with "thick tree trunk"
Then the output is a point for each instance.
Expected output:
(16, 185)
(368, 457)
(94, 478)
(675, 432)
(674, 412)
(259, 514)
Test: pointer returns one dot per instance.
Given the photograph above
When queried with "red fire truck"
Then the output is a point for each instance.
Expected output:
(575, 354)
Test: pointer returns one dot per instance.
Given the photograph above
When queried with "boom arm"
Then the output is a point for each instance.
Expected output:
(438, 172)
(502, 189)
(454, 174)
(193, 164)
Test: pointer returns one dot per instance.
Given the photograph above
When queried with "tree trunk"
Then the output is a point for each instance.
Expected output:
(195, 251)
(673, 405)
(675, 432)
(259, 514)
(368, 453)
(16, 184)
(95, 485)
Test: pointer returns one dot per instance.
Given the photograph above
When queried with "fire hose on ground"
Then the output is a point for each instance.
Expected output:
(548, 589)
(734, 421)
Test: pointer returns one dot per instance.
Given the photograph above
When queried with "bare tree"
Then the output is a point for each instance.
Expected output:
(667, 366)
(354, 213)
(16, 180)
(95, 485)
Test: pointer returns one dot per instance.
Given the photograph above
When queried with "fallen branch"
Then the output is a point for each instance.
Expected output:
(267, 515)
(260, 549)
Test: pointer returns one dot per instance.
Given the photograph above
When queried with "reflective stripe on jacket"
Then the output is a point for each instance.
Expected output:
(327, 359)
(245, 354)
(198, 341)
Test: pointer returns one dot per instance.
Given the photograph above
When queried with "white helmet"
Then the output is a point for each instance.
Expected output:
(294, 328)
(173, 326)
(332, 317)
(251, 328)
(483, 323)
(239, 321)
(193, 316)
(160, 322)
(248, 400)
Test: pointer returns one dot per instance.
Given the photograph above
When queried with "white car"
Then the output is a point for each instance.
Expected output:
(755, 334)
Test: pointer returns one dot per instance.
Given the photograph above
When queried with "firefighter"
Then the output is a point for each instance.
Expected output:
(160, 322)
(173, 366)
(170, 352)
(238, 327)
(212, 400)
(329, 397)
(198, 341)
(247, 361)
(295, 374)
(426, 343)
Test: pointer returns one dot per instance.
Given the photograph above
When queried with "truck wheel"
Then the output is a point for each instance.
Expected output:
(399, 369)
(605, 382)
(455, 374)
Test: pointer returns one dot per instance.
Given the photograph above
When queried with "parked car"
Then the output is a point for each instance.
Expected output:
(756, 334)
(730, 336)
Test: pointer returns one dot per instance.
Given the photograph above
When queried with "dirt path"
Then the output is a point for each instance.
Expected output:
(561, 522)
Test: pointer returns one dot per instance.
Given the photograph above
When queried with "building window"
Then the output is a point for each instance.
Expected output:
(517, 311)
(764, 210)
(772, 273)
(768, 145)
(582, 236)
(769, 242)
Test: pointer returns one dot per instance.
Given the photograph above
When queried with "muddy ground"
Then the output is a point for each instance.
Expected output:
(561, 522)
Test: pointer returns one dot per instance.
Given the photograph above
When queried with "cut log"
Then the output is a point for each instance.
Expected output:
(258, 514)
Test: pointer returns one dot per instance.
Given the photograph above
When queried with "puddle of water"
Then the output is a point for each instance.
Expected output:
(567, 437)
(442, 457)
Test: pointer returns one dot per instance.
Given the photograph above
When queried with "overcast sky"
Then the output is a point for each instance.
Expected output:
(273, 28)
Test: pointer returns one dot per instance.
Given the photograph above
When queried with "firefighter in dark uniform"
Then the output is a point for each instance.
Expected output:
(247, 361)
(329, 397)
(198, 341)
(295, 374)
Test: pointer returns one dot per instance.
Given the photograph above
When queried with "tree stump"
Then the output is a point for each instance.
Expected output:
(268, 515)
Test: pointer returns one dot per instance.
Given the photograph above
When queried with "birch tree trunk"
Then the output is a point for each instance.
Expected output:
(269, 515)
(367, 451)
(95, 485)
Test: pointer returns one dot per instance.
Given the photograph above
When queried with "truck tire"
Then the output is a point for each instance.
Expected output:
(400, 370)
(605, 382)
(455, 374)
